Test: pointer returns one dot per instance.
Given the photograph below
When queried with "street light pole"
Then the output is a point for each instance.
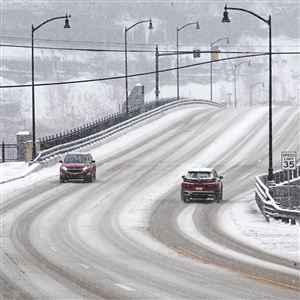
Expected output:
(156, 73)
(33, 29)
(235, 80)
(211, 65)
(229, 100)
(177, 46)
(33, 154)
(251, 87)
(269, 22)
(177, 63)
(126, 66)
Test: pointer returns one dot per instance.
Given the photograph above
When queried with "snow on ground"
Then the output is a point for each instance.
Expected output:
(13, 170)
(242, 218)
(244, 221)
(187, 226)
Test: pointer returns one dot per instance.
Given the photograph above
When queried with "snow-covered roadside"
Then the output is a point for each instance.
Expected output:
(99, 150)
(187, 226)
(242, 218)
(14, 170)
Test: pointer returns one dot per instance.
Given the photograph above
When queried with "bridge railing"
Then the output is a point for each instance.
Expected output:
(72, 143)
(98, 125)
(264, 197)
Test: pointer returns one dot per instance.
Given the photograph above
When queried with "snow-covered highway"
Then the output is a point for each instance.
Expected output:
(128, 235)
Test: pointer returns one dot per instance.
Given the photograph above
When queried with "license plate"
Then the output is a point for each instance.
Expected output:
(199, 188)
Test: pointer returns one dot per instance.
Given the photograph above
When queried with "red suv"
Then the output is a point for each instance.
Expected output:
(78, 166)
(202, 184)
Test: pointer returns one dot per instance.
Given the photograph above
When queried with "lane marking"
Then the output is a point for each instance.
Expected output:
(83, 266)
(125, 287)
(187, 226)
(205, 260)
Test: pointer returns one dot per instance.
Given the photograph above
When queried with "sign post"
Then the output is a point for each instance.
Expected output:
(288, 162)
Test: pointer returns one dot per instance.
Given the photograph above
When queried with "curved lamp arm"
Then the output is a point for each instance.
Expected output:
(66, 17)
(144, 21)
(219, 40)
(192, 23)
(249, 12)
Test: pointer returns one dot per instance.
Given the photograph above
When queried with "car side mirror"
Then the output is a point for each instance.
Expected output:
(60, 161)
(93, 161)
(221, 177)
(183, 176)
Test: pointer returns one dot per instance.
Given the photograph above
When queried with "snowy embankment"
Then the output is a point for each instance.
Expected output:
(242, 217)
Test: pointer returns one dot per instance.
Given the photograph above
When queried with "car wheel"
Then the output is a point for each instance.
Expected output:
(89, 179)
(186, 199)
(217, 197)
(94, 176)
(221, 196)
(61, 180)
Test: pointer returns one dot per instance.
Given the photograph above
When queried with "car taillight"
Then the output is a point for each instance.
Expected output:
(187, 185)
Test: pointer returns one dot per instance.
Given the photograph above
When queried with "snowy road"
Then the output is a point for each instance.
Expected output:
(128, 236)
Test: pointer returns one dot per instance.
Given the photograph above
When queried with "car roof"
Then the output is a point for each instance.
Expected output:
(200, 170)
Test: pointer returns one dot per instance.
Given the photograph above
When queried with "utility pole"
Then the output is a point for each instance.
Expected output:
(156, 73)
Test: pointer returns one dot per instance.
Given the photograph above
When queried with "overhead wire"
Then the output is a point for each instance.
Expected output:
(131, 75)
(248, 54)
(164, 52)
(105, 43)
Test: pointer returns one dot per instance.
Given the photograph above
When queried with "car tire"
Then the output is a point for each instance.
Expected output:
(221, 196)
(61, 180)
(186, 199)
(216, 198)
(89, 179)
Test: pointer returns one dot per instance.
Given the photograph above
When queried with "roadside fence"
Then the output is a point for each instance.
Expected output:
(98, 125)
(105, 123)
(273, 200)
(101, 134)
(8, 152)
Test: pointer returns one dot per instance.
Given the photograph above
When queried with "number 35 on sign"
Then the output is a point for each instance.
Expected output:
(288, 160)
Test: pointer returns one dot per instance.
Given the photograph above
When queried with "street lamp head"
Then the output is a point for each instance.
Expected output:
(225, 17)
(150, 25)
(67, 25)
(197, 26)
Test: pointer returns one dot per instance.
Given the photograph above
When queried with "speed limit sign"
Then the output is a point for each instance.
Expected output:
(288, 160)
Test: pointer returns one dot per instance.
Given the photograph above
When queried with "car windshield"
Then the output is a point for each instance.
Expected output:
(76, 159)
(199, 175)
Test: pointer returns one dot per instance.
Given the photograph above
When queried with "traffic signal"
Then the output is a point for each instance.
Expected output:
(196, 53)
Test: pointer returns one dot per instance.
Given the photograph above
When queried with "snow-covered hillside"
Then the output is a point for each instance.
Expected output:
(63, 107)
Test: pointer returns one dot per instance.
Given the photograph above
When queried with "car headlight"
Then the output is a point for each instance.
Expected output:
(63, 168)
(85, 168)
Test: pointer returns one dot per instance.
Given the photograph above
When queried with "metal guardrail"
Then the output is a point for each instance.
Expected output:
(99, 125)
(266, 203)
(66, 147)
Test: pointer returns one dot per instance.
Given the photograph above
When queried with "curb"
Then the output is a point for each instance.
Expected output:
(35, 167)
